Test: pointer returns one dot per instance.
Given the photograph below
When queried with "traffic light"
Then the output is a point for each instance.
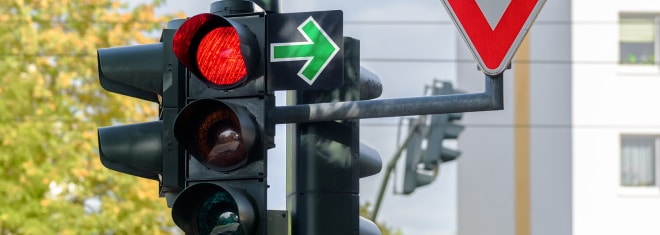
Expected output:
(423, 165)
(442, 127)
(140, 71)
(326, 160)
(223, 126)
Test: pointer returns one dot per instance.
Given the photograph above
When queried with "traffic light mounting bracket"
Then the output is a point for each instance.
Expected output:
(490, 99)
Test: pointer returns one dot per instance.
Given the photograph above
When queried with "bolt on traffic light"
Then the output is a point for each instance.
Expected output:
(223, 126)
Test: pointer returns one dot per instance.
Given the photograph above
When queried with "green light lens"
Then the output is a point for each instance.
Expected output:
(218, 215)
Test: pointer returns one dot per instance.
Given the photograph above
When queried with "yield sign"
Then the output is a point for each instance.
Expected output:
(493, 29)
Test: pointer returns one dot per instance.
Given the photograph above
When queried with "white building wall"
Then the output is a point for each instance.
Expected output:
(485, 168)
(609, 100)
(486, 179)
(579, 111)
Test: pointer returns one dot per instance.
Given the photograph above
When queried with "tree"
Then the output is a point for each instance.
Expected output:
(51, 105)
(366, 211)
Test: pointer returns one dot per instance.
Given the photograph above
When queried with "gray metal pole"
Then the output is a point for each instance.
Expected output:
(490, 99)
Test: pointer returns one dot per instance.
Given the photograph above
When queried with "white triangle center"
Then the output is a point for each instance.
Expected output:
(493, 10)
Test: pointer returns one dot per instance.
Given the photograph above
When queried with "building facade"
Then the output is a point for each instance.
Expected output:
(575, 151)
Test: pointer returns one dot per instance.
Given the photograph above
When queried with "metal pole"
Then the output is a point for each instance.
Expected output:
(490, 99)
(388, 171)
(323, 165)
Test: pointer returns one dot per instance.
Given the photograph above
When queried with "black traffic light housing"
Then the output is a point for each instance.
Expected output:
(134, 149)
(223, 126)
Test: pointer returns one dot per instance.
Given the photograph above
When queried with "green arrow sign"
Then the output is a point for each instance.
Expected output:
(318, 50)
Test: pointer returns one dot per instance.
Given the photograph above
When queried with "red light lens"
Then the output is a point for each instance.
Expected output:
(210, 47)
(219, 57)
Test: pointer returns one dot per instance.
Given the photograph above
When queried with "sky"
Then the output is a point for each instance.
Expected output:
(391, 34)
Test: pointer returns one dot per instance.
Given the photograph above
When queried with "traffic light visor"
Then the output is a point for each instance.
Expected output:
(135, 71)
(134, 149)
(219, 51)
(217, 134)
(212, 209)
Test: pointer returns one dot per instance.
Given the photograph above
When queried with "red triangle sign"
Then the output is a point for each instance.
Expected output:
(493, 47)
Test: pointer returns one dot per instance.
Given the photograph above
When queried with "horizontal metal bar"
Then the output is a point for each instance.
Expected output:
(490, 99)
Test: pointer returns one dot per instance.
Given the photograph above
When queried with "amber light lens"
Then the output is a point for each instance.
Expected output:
(219, 140)
(219, 135)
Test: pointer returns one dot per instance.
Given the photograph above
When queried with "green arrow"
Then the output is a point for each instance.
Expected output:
(318, 50)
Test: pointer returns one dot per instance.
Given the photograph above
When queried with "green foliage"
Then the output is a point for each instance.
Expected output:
(52, 104)
(366, 211)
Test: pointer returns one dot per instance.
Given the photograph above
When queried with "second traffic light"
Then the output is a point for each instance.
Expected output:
(423, 165)
(223, 126)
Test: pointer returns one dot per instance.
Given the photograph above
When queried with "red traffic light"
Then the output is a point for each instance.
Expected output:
(219, 135)
(219, 51)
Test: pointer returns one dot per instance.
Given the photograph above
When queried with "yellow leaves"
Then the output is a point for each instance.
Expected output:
(53, 104)
(67, 232)
(8, 140)
(24, 180)
(80, 173)
(29, 168)
(42, 4)
(45, 202)
(148, 189)
(89, 135)
(116, 5)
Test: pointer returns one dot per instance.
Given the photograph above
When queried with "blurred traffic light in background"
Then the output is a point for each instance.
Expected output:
(425, 150)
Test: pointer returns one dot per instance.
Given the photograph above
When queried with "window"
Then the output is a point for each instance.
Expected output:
(638, 38)
(638, 161)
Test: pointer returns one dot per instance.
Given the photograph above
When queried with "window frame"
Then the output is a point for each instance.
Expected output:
(650, 190)
(655, 18)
